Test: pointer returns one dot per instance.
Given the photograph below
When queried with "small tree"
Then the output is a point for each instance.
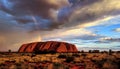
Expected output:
(90, 51)
(9, 50)
(110, 52)
(82, 51)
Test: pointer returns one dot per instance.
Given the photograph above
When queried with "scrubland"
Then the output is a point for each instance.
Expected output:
(60, 61)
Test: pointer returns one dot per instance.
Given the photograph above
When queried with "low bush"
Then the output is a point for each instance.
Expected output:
(62, 56)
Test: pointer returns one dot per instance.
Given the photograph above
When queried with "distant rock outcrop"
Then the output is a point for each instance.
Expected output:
(48, 46)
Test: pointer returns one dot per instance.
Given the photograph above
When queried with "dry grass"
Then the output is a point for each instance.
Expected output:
(51, 61)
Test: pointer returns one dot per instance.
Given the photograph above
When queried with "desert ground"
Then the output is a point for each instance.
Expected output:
(60, 61)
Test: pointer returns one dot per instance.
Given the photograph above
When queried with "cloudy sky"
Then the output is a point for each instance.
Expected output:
(89, 24)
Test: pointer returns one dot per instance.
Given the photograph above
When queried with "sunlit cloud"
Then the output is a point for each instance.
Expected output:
(95, 23)
(117, 29)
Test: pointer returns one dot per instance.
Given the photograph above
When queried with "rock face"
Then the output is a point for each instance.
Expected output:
(49, 46)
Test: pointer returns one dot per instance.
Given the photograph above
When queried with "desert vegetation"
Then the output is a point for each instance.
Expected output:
(81, 60)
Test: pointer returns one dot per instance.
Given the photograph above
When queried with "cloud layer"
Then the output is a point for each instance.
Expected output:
(36, 7)
(108, 40)
(24, 21)
(54, 13)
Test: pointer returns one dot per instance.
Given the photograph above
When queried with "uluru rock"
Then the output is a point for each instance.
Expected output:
(49, 46)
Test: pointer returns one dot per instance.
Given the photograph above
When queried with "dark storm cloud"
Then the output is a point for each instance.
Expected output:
(23, 20)
(23, 11)
(58, 12)
(23, 7)
(84, 11)
(66, 12)
(82, 2)
(8, 25)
